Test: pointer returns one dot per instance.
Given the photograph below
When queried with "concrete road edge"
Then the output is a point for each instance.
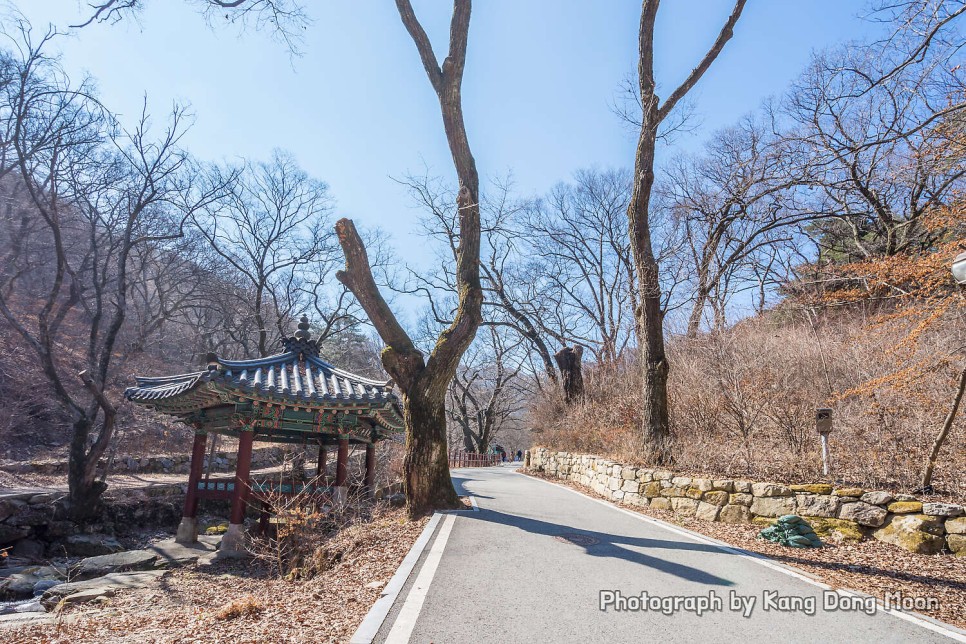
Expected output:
(373, 620)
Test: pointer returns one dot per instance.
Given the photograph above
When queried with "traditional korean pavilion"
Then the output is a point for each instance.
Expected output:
(292, 397)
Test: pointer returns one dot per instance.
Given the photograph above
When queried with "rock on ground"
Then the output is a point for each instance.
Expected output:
(864, 514)
(108, 584)
(91, 545)
(119, 562)
(942, 509)
(21, 584)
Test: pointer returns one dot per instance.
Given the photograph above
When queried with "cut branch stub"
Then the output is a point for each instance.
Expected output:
(569, 362)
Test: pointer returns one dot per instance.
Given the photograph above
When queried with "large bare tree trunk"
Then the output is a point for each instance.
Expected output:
(426, 466)
(424, 382)
(469, 441)
(697, 312)
(650, 314)
(84, 491)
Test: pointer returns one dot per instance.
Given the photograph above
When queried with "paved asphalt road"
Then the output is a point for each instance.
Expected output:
(505, 575)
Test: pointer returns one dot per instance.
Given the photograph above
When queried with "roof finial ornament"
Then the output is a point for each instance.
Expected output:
(303, 332)
(301, 341)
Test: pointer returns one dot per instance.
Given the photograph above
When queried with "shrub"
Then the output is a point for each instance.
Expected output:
(743, 402)
(247, 606)
(309, 539)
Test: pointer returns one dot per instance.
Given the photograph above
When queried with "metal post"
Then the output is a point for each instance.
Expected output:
(825, 455)
(823, 425)
(370, 470)
(320, 470)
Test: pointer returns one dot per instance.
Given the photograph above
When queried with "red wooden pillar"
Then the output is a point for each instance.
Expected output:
(320, 471)
(242, 471)
(342, 463)
(188, 528)
(194, 474)
(370, 469)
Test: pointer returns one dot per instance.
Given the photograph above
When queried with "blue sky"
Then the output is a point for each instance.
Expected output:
(356, 109)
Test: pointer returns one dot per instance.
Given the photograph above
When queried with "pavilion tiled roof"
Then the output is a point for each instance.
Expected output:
(289, 376)
(297, 380)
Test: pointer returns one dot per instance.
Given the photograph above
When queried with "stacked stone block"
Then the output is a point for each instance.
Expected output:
(847, 513)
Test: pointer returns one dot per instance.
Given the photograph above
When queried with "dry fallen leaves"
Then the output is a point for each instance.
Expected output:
(193, 604)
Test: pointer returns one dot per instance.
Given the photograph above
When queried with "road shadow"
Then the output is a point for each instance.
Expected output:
(461, 489)
(615, 546)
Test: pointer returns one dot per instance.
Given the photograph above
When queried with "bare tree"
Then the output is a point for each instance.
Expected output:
(921, 29)
(556, 271)
(650, 313)
(485, 395)
(876, 154)
(580, 257)
(93, 193)
(514, 301)
(284, 19)
(425, 381)
(272, 228)
(735, 204)
(169, 280)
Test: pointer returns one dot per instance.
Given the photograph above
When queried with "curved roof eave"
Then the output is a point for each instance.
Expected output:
(346, 374)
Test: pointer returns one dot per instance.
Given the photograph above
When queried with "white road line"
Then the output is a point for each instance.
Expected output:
(402, 628)
(920, 620)
(377, 614)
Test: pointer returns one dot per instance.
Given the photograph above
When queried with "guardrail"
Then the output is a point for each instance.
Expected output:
(462, 458)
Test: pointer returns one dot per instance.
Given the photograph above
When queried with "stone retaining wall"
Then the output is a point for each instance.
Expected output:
(834, 512)
(165, 463)
(35, 524)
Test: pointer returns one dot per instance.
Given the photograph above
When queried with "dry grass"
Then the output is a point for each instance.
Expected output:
(247, 606)
(743, 403)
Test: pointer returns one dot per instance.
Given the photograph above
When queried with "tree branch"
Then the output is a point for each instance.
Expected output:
(401, 358)
(727, 31)
(423, 45)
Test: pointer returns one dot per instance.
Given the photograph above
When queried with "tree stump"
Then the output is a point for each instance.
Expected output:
(568, 361)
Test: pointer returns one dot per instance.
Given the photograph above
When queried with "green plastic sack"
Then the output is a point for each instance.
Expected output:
(791, 531)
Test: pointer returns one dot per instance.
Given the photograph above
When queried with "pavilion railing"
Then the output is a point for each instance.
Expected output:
(224, 488)
(462, 458)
